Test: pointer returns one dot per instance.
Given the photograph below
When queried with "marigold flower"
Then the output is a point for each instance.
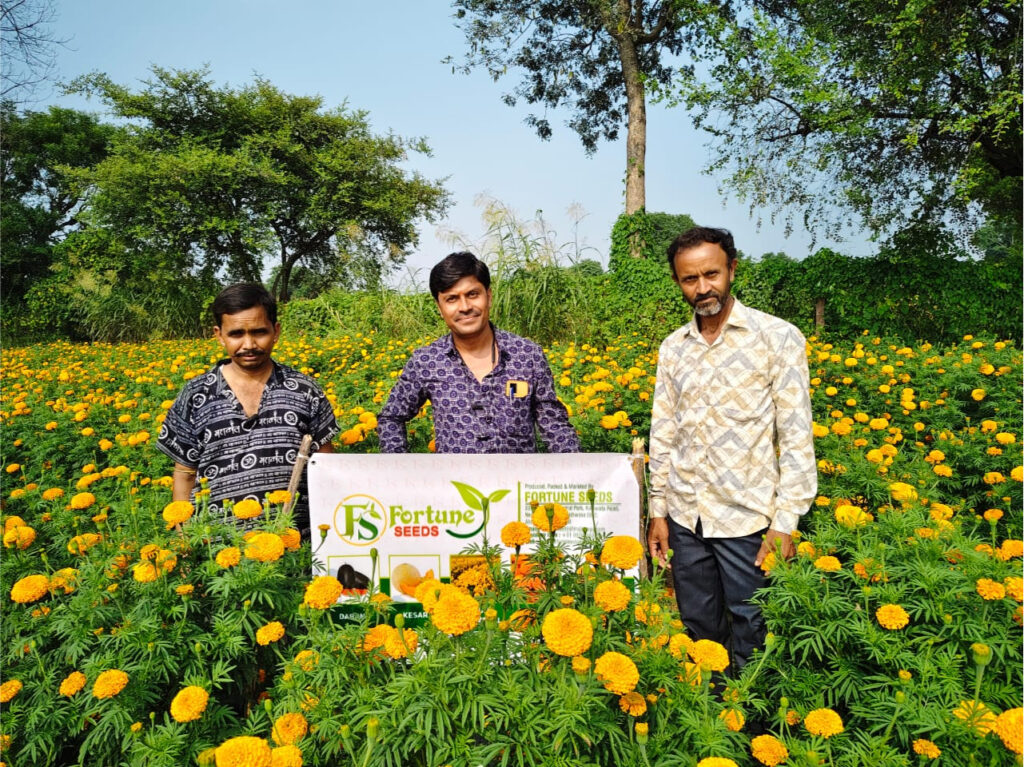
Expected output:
(455, 613)
(709, 655)
(611, 596)
(828, 563)
(265, 547)
(1017, 473)
(401, 645)
(109, 683)
(806, 549)
(72, 684)
(20, 537)
(291, 538)
(567, 632)
(52, 494)
(621, 551)
(12, 522)
(1011, 548)
(768, 750)
(975, 715)
(633, 703)
(903, 492)
(823, 722)
(993, 478)
(892, 617)
(852, 516)
(515, 534)
(286, 756)
(269, 632)
(617, 671)
(322, 592)
(289, 729)
(228, 557)
(248, 508)
(679, 645)
(177, 512)
(30, 588)
(13, 468)
(559, 518)
(278, 497)
(9, 689)
(989, 590)
(81, 501)
(977, 394)
(184, 590)
(733, 718)
(307, 660)
(926, 749)
(580, 664)
(1009, 726)
(244, 751)
(992, 515)
(189, 704)
(145, 572)
(717, 761)
(1014, 587)
(376, 637)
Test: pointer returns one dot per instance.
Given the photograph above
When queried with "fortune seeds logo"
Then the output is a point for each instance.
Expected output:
(475, 499)
(360, 520)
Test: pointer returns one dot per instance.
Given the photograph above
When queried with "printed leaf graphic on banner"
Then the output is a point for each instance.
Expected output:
(470, 495)
(479, 501)
(497, 495)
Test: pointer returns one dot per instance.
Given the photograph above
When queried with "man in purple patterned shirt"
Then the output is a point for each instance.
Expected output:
(490, 390)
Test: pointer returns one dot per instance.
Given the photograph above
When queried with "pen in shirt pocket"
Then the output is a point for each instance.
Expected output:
(516, 389)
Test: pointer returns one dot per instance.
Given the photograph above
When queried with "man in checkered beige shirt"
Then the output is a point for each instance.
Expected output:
(732, 455)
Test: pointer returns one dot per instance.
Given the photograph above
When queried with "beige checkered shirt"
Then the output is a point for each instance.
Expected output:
(731, 442)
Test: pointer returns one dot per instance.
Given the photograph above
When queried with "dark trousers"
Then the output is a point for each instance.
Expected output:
(714, 579)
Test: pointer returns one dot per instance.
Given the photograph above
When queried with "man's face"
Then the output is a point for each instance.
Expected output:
(248, 337)
(705, 276)
(465, 307)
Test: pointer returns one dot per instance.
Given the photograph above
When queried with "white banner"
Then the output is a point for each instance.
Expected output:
(419, 511)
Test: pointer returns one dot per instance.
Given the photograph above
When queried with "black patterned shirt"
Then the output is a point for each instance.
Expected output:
(242, 456)
(496, 415)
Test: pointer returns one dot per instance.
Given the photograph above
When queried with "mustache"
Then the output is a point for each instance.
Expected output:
(709, 294)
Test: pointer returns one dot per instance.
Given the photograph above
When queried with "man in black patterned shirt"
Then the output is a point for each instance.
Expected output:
(240, 425)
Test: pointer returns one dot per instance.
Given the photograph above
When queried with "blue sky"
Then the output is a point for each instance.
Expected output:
(385, 57)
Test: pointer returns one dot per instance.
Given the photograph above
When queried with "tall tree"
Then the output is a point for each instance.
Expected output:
(595, 57)
(29, 45)
(908, 113)
(215, 181)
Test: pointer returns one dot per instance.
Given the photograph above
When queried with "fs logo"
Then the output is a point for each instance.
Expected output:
(360, 520)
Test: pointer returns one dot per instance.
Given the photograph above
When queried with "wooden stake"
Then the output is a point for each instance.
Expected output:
(300, 464)
(640, 472)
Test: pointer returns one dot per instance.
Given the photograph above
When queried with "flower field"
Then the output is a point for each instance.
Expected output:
(140, 632)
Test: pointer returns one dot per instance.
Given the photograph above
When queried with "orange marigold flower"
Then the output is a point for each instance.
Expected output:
(828, 563)
(1014, 587)
(401, 645)
(177, 512)
(82, 501)
(926, 749)
(621, 551)
(633, 703)
(20, 537)
(248, 508)
(559, 517)
(515, 534)
(9, 689)
(292, 539)
(30, 588)
(733, 718)
(244, 751)
(307, 660)
(567, 632)
(289, 729)
(145, 572)
(769, 750)
(278, 497)
(455, 613)
(989, 590)
(580, 664)
(823, 722)
(617, 671)
(1011, 548)
(265, 547)
(892, 617)
(611, 596)
(1009, 726)
(286, 756)
(109, 683)
(716, 761)
(709, 655)
(189, 704)
(322, 592)
(52, 494)
(72, 684)
(269, 632)
(228, 557)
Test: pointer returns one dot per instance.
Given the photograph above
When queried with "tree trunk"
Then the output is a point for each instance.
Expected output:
(819, 313)
(636, 134)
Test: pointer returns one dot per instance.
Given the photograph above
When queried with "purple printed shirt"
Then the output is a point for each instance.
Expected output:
(496, 415)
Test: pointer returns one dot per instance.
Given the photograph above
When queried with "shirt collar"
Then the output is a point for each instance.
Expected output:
(739, 317)
(276, 375)
(448, 343)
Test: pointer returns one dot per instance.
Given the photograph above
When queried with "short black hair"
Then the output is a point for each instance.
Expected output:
(453, 268)
(241, 296)
(698, 235)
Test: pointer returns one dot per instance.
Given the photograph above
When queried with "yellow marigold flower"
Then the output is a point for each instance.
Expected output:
(903, 492)
(993, 478)
(768, 750)
(189, 704)
(733, 718)
(515, 534)
(819, 431)
(72, 684)
(1017, 473)
(109, 683)
(621, 551)
(269, 632)
(580, 664)
(1009, 726)
(679, 645)
(292, 539)
(82, 543)
(841, 428)
(289, 729)
(247, 509)
(20, 537)
(992, 515)
(13, 468)
(617, 671)
(828, 563)
(721, 761)
(228, 557)
(12, 522)
(926, 749)
(892, 617)
(286, 756)
(265, 547)
(1014, 587)
(989, 590)
(278, 497)
(401, 645)
(935, 456)
(559, 519)
(941, 470)
(30, 588)
(806, 549)
(322, 592)
(1005, 438)
(244, 751)
(877, 424)
(852, 516)
(633, 703)
(567, 632)
(9, 689)
(376, 637)
(455, 613)
(940, 511)
(987, 426)
(1011, 548)
(307, 660)
(52, 494)
(185, 590)
(611, 596)
(874, 456)
(145, 572)
(977, 394)
(975, 715)
(81, 501)
(823, 722)
(709, 655)
(177, 512)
